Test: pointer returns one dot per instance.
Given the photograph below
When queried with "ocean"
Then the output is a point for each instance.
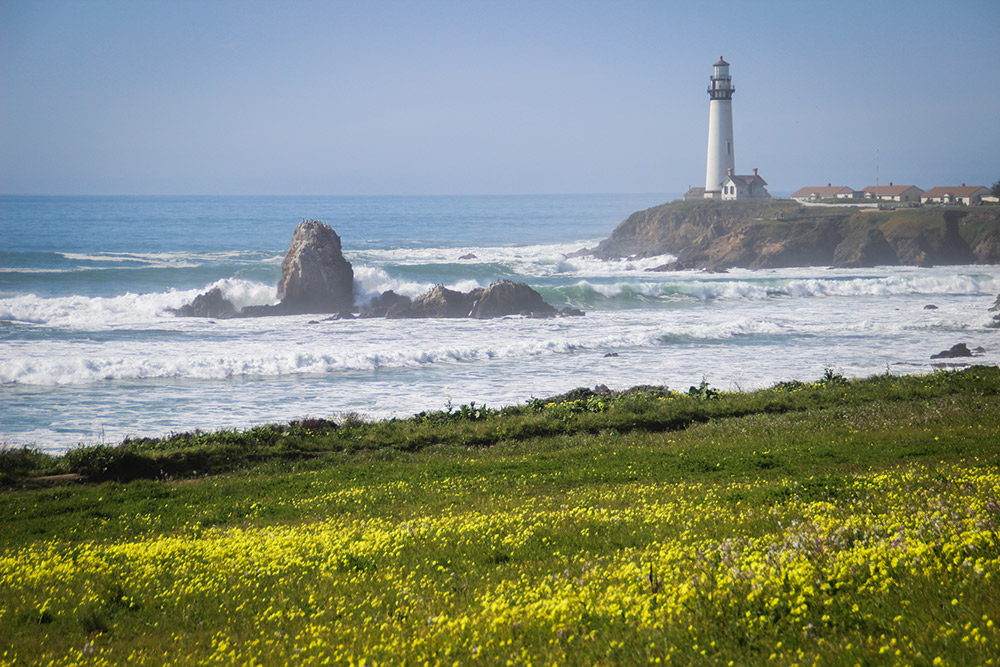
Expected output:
(88, 353)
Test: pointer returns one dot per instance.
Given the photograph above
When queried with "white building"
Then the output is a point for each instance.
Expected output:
(750, 186)
(968, 195)
(892, 192)
(811, 193)
(721, 160)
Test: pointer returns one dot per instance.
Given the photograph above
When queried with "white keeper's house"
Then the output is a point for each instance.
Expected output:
(892, 192)
(749, 186)
(969, 195)
(827, 191)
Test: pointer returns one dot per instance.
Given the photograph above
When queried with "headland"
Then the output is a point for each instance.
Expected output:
(719, 235)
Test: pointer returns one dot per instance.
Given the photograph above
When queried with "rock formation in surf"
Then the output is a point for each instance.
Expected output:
(509, 298)
(209, 304)
(955, 352)
(439, 302)
(385, 304)
(316, 279)
(501, 299)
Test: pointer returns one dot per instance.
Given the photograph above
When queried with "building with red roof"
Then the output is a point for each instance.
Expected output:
(968, 195)
(892, 192)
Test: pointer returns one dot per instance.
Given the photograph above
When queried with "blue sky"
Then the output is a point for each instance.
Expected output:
(473, 97)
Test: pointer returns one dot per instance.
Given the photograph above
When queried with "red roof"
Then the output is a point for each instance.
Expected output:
(954, 190)
(823, 191)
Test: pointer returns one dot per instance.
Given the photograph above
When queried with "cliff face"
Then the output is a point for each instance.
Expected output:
(781, 233)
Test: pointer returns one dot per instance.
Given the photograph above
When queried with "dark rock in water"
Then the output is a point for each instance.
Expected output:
(498, 300)
(385, 303)
(509, 298)
(439, 302)
(569, 311)
(315, 277)
(209, 304)
(980, 350)
(470, 255)
(995, 308)
(960, 350)
(610, 354)
(930, 306)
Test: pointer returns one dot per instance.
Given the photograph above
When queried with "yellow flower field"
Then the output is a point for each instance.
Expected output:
(890, 567)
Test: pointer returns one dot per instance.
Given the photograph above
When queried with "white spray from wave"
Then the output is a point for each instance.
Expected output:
(771, 287)
(127, 309)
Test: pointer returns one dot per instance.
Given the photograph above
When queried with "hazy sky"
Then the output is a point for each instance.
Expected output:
(472, 97)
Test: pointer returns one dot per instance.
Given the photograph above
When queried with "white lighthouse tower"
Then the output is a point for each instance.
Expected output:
(721, 161)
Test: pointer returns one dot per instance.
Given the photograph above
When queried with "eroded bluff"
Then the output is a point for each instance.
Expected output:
(718, 235)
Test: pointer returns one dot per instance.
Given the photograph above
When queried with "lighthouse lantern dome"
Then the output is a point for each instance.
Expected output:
(720, 69)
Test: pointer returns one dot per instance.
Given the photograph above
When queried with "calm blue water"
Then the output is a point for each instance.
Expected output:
(89, 354)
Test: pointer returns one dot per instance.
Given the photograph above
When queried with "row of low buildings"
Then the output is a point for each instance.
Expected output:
(967, 195)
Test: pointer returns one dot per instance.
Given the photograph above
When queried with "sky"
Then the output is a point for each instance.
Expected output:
(469, 97)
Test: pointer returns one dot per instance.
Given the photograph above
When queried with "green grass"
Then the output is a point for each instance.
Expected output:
(648, 410)
(597, 486)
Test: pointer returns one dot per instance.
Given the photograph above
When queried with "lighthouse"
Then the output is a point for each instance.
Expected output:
(721, 161)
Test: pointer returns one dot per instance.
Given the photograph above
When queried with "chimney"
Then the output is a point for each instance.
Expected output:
(755, 171)
(890, 182)
(963, 185)
(729, 171)
(829, 185)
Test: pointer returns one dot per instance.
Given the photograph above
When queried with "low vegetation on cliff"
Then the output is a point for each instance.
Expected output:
(834, 521)
(782, 233)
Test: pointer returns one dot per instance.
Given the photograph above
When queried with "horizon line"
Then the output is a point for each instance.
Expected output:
(443, 194)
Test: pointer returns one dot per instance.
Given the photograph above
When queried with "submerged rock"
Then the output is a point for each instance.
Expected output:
(956, 351)
(506, 297)
(209, 304)
(386, 303)
(439, 302)
(500, 299)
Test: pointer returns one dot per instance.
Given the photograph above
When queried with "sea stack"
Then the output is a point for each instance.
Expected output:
(315, 277)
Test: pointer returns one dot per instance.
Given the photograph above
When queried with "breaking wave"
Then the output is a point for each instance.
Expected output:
(84, 312)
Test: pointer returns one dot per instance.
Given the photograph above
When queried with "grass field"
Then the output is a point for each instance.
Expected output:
(827, 522)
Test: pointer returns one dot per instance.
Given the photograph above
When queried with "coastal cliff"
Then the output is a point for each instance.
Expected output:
(717, 235)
